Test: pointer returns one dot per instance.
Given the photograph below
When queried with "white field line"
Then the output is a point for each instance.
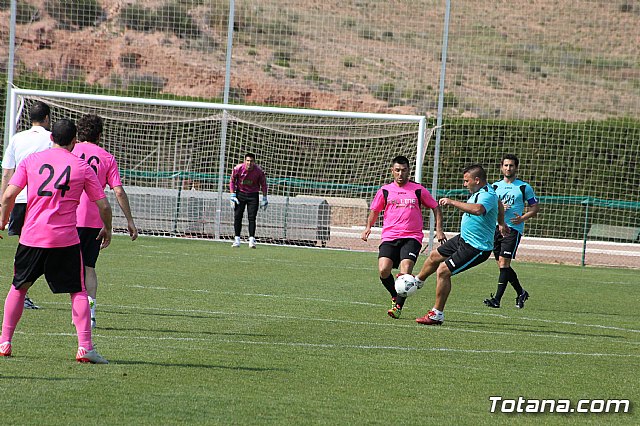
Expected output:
(332, 301)
(386, 324)
(356, 347)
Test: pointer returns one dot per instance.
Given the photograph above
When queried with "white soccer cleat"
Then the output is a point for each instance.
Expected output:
(5, 349)
(236, 242)
(91, 356)
(252, 242)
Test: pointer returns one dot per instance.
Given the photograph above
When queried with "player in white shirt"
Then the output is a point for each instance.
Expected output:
(21, 145)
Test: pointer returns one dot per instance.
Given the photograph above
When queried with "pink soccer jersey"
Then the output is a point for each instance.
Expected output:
(56, 179)
(402, 211)
(106, 167)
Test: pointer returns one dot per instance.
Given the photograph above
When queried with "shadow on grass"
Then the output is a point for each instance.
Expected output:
(46, 379)
(168, 315)
(197, 332)
(526, 328)
(189, 365)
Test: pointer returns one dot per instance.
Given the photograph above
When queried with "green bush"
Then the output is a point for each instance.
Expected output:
(138, 18)
(609, 144)
(173, 17)
(25, 12)
(146, 83)
(170, 18)
(75, 13)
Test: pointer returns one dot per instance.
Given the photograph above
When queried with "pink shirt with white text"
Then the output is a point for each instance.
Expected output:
(402, 216)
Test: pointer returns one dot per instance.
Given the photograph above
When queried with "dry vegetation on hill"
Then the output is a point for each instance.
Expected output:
(522, 58)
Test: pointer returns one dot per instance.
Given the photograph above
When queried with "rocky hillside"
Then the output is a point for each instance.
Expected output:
(523, 58)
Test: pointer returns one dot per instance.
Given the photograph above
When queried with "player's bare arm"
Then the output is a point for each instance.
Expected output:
(8, 201)
(439, 218)
(106, 216)
(532, 212)
(471, 208)
(7, 174)
(123, 201)
(502, 225)
(373, 216)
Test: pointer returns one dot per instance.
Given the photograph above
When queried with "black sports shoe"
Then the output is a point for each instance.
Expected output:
(521, 299)
(492, 302)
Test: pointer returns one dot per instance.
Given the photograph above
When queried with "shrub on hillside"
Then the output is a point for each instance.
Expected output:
(25, 12)
(75, 13)
(173, 17)
(138, 18)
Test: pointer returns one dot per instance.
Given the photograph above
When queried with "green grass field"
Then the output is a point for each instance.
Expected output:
(198, 333)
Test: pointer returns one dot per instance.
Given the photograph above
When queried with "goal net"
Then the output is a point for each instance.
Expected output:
(322, 167)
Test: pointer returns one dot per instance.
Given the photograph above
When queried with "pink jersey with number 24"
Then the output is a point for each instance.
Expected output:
(106, 167)
(56, 179)
(402, 212)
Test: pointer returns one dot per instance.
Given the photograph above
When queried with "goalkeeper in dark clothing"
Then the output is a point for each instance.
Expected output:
(247, 180)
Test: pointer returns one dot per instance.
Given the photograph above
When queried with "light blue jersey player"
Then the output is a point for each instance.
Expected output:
(515, 195)
(478, 230)
(469, 248)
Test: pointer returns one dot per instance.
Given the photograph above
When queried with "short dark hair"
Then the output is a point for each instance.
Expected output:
(63, 132)
(39, 111)
(249, 155)
(476, 170)
(90, 128)
(400, 159)
(511, 157)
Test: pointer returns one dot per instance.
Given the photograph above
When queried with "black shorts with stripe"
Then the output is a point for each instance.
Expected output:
(400, 249)
(461, 255)
(506, 246)
(61, 266)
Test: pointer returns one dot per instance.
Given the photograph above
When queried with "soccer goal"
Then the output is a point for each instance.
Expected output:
(176, 158)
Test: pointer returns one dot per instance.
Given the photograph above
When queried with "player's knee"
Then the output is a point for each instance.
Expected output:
(435, 257)
(384, 272)
(443, 271)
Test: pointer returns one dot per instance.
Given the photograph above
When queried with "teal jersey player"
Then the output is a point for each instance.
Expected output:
(478, 230)
(520, 204)
(514, 196)
(471, 247)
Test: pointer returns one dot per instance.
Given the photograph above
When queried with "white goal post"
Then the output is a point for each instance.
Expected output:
(175, 157)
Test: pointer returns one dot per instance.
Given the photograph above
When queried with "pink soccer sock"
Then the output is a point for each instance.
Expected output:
(13, 308)
(81, 314)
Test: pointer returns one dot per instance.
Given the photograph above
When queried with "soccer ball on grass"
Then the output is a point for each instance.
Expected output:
(406, 285)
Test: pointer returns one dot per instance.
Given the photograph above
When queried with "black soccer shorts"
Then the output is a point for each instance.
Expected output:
(400, 249)
(89, 246)
(61, 266)
(461, 255)
(506, 246)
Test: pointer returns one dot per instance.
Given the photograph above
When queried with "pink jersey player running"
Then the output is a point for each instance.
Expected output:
(401, 202)
(49, 243)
